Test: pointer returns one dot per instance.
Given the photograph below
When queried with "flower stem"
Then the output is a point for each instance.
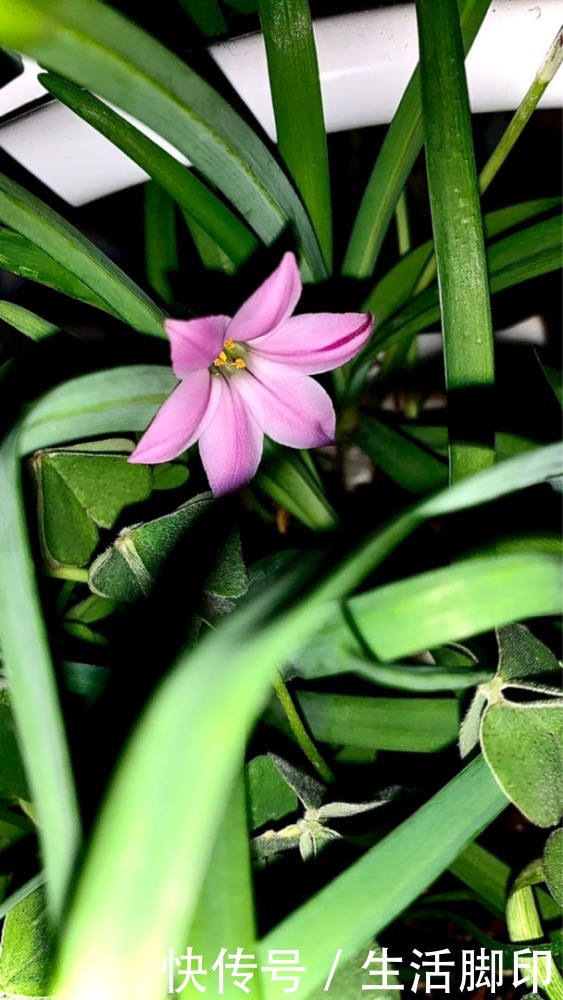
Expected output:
(299, 731)
(69, 573)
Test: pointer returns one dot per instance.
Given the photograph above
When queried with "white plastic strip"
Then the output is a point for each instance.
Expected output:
(365, 63)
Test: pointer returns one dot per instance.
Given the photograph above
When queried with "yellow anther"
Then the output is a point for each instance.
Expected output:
(229, 344)
(220, 361)
(240, 363)
(223, 356)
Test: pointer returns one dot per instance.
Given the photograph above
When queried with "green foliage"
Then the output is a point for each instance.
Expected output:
(130, 568)
(81, 489)
(370, 611)
(27, 950)
(553, 865)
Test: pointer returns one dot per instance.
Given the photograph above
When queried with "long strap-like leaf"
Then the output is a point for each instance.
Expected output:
(96, 47)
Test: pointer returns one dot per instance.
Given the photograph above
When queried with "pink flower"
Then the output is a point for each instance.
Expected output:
(244, 377)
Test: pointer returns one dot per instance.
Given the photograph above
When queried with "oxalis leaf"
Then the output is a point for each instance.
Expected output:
(553, 865)
(522, 741)
(130, 567)
(27, 956)
(80, 489)
(523, 745)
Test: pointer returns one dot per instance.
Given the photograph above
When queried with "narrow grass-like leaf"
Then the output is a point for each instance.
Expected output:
(396, 158)
(224, 916)
(35, 703)
(29, 216)
(289, 478)
(458, 237)
(26, 322)
(212, 256)
(485, 874)
(161, 250)
(400, 456)
(207, 15)
(450, 604)
(202, 205)
(545, 74)
(519, 257)
(121, 398)
(298, 109)
(413, 725)
(96, 47)
(20, 256)
(400, 867)
(395, 288)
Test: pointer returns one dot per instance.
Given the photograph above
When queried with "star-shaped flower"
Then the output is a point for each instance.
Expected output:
(246, 376)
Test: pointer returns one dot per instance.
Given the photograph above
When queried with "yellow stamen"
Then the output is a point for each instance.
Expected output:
(240, 363)
(229, 344)
(220, 361)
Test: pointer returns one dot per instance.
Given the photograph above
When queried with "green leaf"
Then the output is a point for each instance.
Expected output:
(80, 489)
(161, 251)
(553, 865)
(458, 236)
(523, 744)
(555, 379)
(269, 796)
(190, 193)
(210, 700)
(206, 14)
(13, 782)
(486, 875)
(42, 226)
(290, 478)
(401, 676)
(401, 866)
(298, 110)
(412, 725)
(26, 322)
(396, 287)
(347, 981)
(121, 399)
(96, 47)
(523, 657)
(169, 475)
(442, 606)
(27, 956)
(512, 260)
(396, 158)
(130, 567)
(224, 917)
(400, 457)
(20, 256)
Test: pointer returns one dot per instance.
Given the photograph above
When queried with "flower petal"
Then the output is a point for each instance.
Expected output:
(179, 421)
(231, 443)
(317, 342)
(270, 305)
(289, 407)
(195, 343)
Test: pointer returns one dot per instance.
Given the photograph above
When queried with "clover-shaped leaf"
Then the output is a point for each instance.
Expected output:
(522, 741)
(553, 865)
(80, 489)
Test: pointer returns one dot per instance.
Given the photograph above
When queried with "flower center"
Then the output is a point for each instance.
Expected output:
(231, 359)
